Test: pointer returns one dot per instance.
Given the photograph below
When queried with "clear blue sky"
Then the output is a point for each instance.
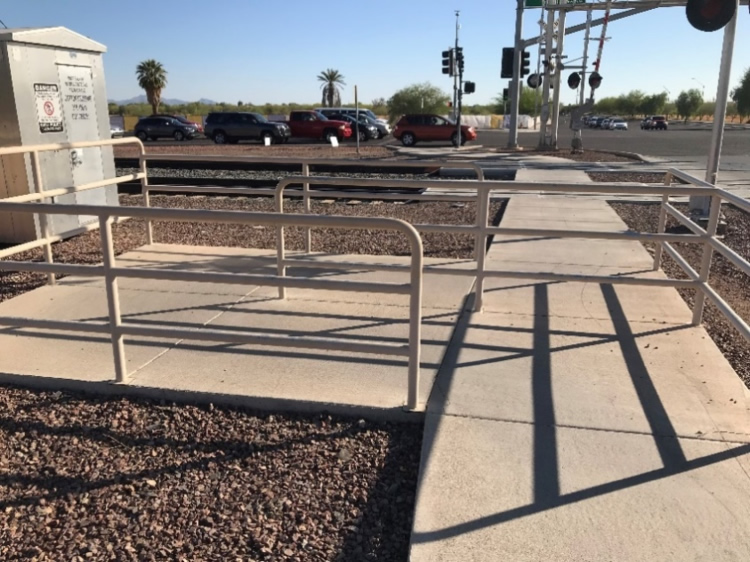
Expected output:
(271, 51)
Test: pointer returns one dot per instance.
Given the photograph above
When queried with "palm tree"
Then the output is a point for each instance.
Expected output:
(153, 78)
(331, 79)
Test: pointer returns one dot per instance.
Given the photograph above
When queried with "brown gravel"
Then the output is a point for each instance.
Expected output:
(85, 478)
(319, 150)
(129, 235)
(585, 156)
(636, 177)
(725, 278)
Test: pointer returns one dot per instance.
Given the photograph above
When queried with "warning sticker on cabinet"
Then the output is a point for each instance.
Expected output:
(48, 108)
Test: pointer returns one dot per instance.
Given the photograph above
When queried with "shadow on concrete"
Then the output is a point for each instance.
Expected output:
(545, 469)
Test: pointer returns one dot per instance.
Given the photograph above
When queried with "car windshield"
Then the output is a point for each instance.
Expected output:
(320, 116)
(259, 118)
(658, 118)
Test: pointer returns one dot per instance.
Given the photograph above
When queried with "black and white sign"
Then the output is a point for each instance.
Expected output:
(48, 108)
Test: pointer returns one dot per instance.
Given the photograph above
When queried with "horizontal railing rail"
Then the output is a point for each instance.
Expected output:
(111, 273)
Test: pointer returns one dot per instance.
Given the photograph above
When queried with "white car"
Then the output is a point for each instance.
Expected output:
(116, 131)
(618, 124)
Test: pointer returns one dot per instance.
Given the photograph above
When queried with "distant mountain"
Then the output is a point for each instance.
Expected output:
(169, 101)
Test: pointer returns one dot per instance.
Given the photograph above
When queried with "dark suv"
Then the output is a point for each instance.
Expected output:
(232, 127)
(152, 128)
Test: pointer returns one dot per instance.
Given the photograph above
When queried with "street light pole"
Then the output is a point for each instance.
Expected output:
(515, 84)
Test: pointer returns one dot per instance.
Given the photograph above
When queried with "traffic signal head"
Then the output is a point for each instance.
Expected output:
(525, 62)
(710, 15)
(460, 59)
(595, 80)
(449, 63)
(469, 87)
(574, 80)
(505, 94)
(506, 69)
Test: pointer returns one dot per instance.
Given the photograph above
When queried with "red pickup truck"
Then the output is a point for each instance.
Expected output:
(315, 125)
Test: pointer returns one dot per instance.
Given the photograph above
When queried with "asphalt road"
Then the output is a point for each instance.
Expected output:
(678, 145)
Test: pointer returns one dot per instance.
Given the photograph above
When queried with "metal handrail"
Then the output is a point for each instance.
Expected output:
(111, 273)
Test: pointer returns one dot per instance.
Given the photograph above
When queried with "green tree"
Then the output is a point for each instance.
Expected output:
(631, 103)
(688, 103)
(653, 104)
(526, 103)
(607, 106)
(417, 98)
(741, 95)
(152, 77)
(331, 79)
(379, 106)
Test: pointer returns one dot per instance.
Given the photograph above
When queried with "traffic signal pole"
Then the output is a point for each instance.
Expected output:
(515, 84)
(457, 86)
(544, 112)
(558, 72)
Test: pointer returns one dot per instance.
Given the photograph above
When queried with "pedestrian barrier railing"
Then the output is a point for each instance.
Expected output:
(479, 192)
(110, 271)
(303, 163)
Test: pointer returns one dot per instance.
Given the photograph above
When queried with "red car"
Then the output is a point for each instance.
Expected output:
(315, 125)
(411, 129)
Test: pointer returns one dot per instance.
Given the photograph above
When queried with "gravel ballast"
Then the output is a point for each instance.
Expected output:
(725, 278)
(85, 478)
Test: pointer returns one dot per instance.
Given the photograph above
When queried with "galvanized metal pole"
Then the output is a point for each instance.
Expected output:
(515, 84)
(356, 115)
(544, 113)
(700, 205)
(558, 73)
(538, 68)
(457, 87)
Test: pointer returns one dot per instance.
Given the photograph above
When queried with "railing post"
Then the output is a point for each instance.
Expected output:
(113, 299)
(43, 218)
(280, 249)
(307, 207)
(708, 252)
(483, 211)
(145, 191)
(662, 222)
(415, 323)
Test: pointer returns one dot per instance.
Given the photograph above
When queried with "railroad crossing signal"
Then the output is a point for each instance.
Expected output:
(534, 80)
(449, 62)
(574, 80)
(710, 15)
(595, 80)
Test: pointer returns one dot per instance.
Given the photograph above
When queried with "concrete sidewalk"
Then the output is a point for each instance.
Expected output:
(579, 422)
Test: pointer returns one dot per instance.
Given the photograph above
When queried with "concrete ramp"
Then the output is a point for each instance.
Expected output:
(259, 376)
(582, 422)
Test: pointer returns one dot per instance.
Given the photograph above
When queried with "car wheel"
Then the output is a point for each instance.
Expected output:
(455, 139)
(328, 135)
(220, 137)
(179, 136)
(362, 136)
(266, 135)
(142, 136)
(408, 139)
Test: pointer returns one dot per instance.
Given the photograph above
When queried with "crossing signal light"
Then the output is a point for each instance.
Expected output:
(449, 62)
(595, 80)
(469, 87)
(506, 68)
(505, 94)
(574, 80)
(710, 15)
(534, 80)
(460, 59)
(525, 63)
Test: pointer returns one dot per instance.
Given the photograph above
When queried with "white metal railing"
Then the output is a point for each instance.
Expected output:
(41, 194)
(304, 164)
(111, 273)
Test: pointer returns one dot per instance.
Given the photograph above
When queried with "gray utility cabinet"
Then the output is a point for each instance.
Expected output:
(52, 91)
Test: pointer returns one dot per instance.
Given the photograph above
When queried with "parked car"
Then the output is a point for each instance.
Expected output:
(152, 128)
(605, 123)
(414, 128)
(598, 123)
(353, 111)
(618, 124)
(315, 125)
(234, 126)
(365, 130)
(659, 122)
(382, 126)
(591, 121)
(181, 119)
(646, 123)
(115, 131)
